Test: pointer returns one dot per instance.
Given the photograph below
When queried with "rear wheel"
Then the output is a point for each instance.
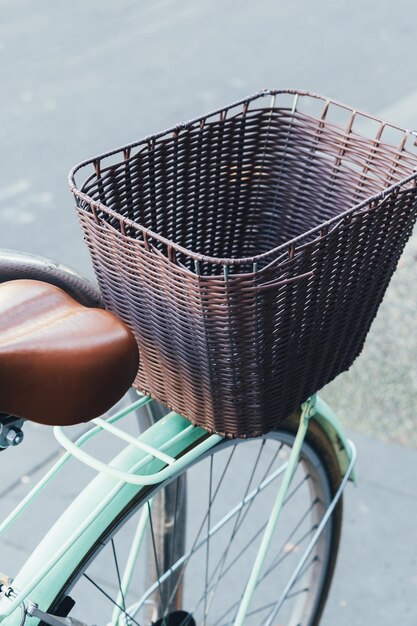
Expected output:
(199, 579)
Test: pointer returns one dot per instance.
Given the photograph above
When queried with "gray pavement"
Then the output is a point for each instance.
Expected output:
(79, 78)
(376, 576)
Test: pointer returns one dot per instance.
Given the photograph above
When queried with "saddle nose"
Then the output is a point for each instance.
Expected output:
(60, 363)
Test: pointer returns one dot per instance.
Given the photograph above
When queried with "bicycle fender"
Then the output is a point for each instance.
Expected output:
(330, 424)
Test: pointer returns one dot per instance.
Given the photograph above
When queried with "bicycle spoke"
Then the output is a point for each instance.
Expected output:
(132, 557)
(168, 604)
(192, 550)
(244, 515)
(270, 605)
(208, 541)
(249, 614)
(174, 532)
(118, 575)
(280, 558)
(221, 561)
(111, 599)
(213, 531)
(236, 604)
(294, 594)
(237, 526)
(248, 500)
(305, 568)
(158, 574)
(286, 595)
(212, 559)
(297, 542)
(231, 608)
(277, 560)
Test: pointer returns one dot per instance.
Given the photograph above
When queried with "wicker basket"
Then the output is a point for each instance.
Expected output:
(249, 250)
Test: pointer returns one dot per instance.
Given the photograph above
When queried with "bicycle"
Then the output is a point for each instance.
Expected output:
(153, 487)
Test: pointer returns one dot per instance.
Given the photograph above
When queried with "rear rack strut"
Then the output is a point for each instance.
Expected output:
(169, 464)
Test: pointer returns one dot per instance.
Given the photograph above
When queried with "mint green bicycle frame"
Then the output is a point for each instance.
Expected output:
(61, 550)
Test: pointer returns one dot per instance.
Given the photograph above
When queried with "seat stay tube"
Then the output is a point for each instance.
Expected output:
(306, 413)
(316, 535)
(130, 564)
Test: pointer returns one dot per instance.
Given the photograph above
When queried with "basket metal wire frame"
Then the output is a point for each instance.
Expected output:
(247, 245)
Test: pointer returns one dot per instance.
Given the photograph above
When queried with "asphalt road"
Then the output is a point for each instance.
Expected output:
(80, 78)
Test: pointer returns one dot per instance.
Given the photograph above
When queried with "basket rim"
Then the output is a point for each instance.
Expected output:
(290, 244)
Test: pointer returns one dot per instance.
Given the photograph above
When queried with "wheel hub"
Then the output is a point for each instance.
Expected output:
(177, 618)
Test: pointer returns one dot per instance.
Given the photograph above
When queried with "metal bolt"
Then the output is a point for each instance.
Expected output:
(14, 437)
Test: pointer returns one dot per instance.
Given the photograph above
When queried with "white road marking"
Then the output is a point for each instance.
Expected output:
(402, 112)
(16, 216)
(15, 189)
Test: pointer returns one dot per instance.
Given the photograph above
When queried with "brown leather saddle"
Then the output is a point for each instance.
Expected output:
(61, 362)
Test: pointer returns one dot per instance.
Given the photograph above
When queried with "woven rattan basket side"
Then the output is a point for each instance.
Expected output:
(249, 251)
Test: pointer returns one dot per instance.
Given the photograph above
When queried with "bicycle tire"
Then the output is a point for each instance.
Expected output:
(317, 450)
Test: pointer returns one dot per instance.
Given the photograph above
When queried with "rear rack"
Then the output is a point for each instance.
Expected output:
(151, 467)
(169, 464)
